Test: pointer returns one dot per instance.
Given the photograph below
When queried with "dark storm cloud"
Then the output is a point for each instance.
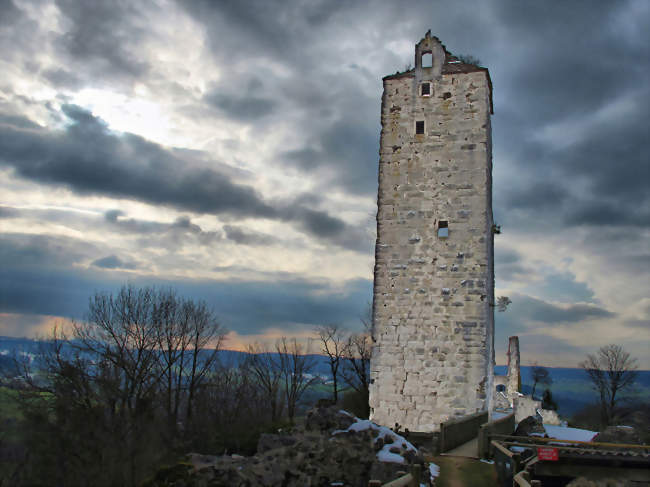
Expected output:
(246, 106)
(250, 307)
(9, 12)
(61, 78)
(114, 262)
(509, 265)
(273, 28)
(155, 234)
(241, 107)
(180, 227)
(17, 121)
(577, 56)
(598, 180)
(529, 310)
(527, 313)
(562, 287)
(539, 195)
(37, 276)
(102, 36)
(248, 237)
(89, 159)
(574, 115)
(349, 148)
(334, 109)
(18, 250)
(111, 220)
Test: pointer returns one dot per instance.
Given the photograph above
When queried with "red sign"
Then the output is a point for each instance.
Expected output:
(547, 453)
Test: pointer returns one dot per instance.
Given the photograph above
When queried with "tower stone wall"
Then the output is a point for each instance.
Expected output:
(433, 317)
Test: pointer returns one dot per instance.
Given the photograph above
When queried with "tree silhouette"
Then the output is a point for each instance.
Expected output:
(612, 371)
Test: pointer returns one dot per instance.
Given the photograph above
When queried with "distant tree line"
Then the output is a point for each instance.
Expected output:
(139, 382)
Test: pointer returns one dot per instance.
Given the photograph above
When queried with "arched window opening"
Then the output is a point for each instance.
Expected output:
(427, 60)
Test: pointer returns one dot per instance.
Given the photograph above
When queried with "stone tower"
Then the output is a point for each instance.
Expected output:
(433, 332)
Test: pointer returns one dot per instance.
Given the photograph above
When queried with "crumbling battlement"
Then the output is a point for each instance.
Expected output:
(434, 277)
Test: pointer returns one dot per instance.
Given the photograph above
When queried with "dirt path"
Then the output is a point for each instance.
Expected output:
(464, 472)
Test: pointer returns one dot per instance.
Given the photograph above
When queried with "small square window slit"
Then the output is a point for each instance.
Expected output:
(425, 89)
(443, 229)
(419, 127)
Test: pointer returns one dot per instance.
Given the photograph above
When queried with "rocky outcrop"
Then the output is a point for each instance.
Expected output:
(618, 434)
(332, 447)
(530, 426)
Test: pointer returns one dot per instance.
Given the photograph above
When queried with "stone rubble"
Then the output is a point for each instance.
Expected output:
(332, 448)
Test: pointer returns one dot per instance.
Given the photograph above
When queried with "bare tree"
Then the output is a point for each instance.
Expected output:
(266, 370)
(230, 406)
(138, 355)
(189, 339)
(119, 332)
(173, 342)
(357, 352)
(296, 368)
(540, 375)
(204, 331)
(333, 344)
(612, 371)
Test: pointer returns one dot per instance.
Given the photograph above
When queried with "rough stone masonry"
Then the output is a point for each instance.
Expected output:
(433, 306)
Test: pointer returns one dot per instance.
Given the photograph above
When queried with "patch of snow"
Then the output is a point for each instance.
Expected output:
(499, 415)
(434, 471)
(491, 462)
(571, 434)
(383, 455)
(517, 449)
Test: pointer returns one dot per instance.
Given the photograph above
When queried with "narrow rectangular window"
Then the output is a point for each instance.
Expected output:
(427, 60)
(419, 127)
(443, 229)
(426, 89)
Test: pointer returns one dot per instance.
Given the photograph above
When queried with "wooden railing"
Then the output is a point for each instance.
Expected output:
(412, 479)
(487, 431)
(455, 432)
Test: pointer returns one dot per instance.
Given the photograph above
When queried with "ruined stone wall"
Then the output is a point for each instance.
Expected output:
(514, 371)
(433, 295)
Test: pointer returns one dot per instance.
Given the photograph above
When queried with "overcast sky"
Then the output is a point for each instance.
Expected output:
(229, 149)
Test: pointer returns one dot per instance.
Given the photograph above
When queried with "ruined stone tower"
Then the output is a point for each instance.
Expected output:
(514, 371)
(433, 303)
